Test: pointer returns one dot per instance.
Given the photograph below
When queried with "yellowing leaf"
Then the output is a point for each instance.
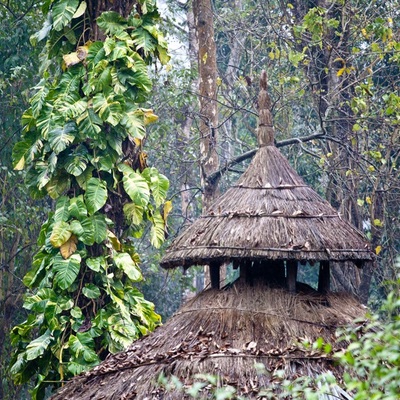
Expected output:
(137, 141)
(341, 71)
(20, 165)
(69, 247)
(116, 244)
(378, 249)
(204, 59)
(360, 202)
(368, 200)
(378, 222)
(71, 59)
(371, 168)
(149, 117)
(219, 81)
(167, 209)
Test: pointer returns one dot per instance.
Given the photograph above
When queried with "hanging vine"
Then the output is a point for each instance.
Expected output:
(82, 146)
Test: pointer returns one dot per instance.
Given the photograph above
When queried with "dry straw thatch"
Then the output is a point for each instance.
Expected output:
(269, 214)
(224, 332)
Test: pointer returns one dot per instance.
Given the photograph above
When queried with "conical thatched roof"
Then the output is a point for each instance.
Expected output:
(225, 332)
(269, 213)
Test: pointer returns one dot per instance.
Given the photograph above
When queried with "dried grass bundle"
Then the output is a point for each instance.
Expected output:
(224, 332)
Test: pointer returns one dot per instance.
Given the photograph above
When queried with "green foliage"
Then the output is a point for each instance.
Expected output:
(81, 146)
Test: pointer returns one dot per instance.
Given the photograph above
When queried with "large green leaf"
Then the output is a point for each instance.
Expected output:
(89, 124)
(133, 213)
(77, 207)
(62, 12)
(109, 107)
(157, 232)
(144, 40)
(62, 209)
(60, 234)
(62, 136)
(91, 291)
(82, 345)
(96, 195)
(100, 227)
(49, 119)
(134, 124)
(39, 98)
(88, 235)
(111, 23)
(159, 184)
(137, 188)
(38, 346)
(124, 261)
(58, 185)
(23, 151)
(67, 270)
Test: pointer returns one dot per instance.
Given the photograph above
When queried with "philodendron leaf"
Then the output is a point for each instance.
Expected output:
(87, 235)
(66, 270)
(69, 247)
(91, 291)
(62, 136)
(157, 232)
(62, 211)
(38, 346)
(124, 261)
(60, 234)
(159, 184)
(111, 23)
(63, 11)
(100, 228)
(96, 195)
(136, 187)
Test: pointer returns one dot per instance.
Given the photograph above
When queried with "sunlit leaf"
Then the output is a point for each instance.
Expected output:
(61, 137)
(159, 184)
(38, 346)
(157, 232)
(62, 209)
(66, 271)
(96, 195)
(60, 234)
(134, 213)
(137, 188)
(124, 261)
(62, 12)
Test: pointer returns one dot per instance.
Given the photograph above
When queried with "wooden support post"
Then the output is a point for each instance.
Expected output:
(291, 277)
(324, 278)
(215, 275)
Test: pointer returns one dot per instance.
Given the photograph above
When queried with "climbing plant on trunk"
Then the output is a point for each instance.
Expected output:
(82, 146)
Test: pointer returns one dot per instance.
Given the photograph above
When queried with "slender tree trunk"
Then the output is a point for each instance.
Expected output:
(209, 161)
(207, 61)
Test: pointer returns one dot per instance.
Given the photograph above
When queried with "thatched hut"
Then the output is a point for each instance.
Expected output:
(265, 225)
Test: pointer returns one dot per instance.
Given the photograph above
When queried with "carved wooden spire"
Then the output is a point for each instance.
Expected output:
(265, 131)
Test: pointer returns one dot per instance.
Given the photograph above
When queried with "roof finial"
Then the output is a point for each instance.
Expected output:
(265, 131)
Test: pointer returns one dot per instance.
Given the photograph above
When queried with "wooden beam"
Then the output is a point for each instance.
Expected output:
(291, 277)
(324, 278)
(215, 275)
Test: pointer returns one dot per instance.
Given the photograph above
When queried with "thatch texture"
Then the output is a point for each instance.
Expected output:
(270, 213)
(224, 332)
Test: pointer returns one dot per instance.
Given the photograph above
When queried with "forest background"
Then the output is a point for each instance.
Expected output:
(333, 70)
